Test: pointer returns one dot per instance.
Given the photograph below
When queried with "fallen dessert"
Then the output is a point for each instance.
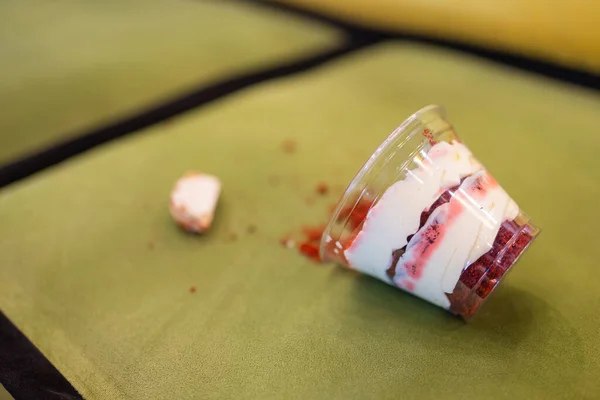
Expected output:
(424, 215)
(193, 201)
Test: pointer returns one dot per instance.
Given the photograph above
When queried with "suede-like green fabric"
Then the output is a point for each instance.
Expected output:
(71, 66)
(95, 273)
(4, 395)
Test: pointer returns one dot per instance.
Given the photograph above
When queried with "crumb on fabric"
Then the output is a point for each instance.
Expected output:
(322, 189)
(289, 146)
(251, 229)
(232, 237)
(151, 245)
(192, 289)
(288, 242)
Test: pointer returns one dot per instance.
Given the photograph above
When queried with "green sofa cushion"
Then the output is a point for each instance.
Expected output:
(72, 66)
(4, 395)
(96, 274)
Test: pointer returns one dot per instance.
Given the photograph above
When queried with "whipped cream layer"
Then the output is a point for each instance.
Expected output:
(456, 234)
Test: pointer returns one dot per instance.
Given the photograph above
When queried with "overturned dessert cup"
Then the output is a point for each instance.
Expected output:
(424, 215)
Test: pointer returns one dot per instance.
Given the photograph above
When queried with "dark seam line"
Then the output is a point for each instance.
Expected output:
(25, 372)
(28, 165)
(545, 68)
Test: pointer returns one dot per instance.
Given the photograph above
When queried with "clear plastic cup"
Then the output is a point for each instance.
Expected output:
(424, 215)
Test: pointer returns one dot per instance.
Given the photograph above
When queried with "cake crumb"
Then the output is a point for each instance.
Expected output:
(289, 146)
(192, 289)
(288, 242)
(322, 189)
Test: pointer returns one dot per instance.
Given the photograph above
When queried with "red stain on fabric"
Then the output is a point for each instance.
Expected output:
(310, 250)
(322, 189)
(289, 146)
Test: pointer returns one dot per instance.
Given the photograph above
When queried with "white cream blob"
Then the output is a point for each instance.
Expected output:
(193, 201)
(397, 214)
(468, 224)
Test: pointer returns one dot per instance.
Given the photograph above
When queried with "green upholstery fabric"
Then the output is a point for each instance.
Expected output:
(4, 395)
(95, 273)
(70, 66)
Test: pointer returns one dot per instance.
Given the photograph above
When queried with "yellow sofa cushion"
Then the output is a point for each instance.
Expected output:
(561, 31)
